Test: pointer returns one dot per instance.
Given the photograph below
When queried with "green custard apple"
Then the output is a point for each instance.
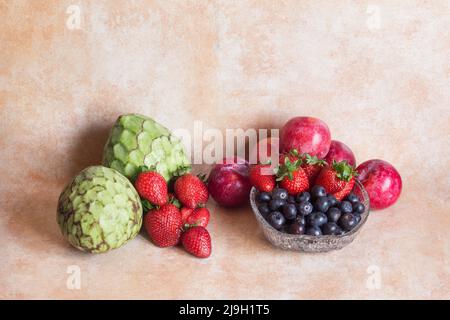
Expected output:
(137, 141)
(99, 210)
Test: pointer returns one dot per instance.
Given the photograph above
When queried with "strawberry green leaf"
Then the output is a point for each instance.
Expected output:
(175, 202)
(314, 160)
(286, 161)
(147, 205)
(202, 177)
(343, 170)
(181, 171)
(187, 226)
(288, 169)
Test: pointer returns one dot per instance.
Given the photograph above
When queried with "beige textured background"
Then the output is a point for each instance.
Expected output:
(383, 89)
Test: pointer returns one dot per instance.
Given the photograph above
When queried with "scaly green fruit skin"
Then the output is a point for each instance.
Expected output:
(137, 141)
(99, 210)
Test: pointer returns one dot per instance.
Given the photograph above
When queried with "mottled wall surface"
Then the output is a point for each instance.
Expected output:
(378, 72)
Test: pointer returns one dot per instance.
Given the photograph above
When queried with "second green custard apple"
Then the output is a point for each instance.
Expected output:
(136, 140)
(99, 210)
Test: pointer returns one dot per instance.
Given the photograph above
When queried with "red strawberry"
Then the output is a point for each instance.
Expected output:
(152, 186)
(164, 225)
(337, 179)
(346, 191)
(191, 191)
(197, 241)
(261, 178)
(312, 166)
(199, 217)
(185, 213)
(292, 177)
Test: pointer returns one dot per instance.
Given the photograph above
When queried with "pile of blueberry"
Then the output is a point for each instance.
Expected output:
(313, 213)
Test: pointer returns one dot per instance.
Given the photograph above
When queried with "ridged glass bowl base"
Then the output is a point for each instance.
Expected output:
(308, 243)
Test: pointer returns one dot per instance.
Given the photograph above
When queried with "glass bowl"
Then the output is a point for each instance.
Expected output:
(307, 243)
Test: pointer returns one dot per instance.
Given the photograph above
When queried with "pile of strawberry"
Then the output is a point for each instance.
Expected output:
(179, 217)
(297, 173)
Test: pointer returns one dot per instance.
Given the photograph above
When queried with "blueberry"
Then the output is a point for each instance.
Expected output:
(322, 204)
(358, 218)
(316, 219)
(313, 231)
(291, 199)
(346, 207)
(280, 194)
(347, 221)
(358, 207)
(333, 200)
(304, 196)
(264, 209)
(276, 220)
(318, 191)
(275, 204)
(300, 219)
(289, 211)
(333, 214)
(264, 197)
(296, 228)
(330, 228)
(352, 198)
(305, 208)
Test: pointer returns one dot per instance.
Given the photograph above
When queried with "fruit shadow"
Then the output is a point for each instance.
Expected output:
(34, 222)
(88, 149)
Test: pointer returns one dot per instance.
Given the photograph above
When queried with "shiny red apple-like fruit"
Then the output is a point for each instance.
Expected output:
(340, 152)
(381, 181)
(229, 183)
(307, 135)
